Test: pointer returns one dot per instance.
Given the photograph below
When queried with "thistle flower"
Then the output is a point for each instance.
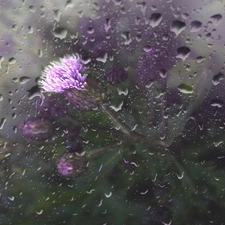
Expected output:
(72, 165)
(66, 77)
(63, 75)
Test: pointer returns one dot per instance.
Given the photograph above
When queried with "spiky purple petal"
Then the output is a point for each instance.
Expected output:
(63, 75)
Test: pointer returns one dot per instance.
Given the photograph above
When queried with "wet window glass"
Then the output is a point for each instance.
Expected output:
(112, 112)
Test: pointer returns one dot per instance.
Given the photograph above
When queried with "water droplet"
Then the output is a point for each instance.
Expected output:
(217, 78)
(217, 144)
(185, 89)
(32, 9)
(200, 59)
(163, 73)
(69, 4)
(177, 27)
(2, 122)
(60, 32)
(100, 203)
(39, 212)
(117, 108)
(155, 19)
(30, 29)
(40, 53)
(122, 92)
(216, 103)
(108, 195)
(181, 176)
(183, 52)
(195, 26)
(11, 198)
(216, 19)
(12, 60)
(24, 80)
(102, 59)
(127, 38)
(1, 60)
(57, 14)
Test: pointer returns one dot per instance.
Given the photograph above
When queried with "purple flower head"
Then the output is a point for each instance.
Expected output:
(63, 75)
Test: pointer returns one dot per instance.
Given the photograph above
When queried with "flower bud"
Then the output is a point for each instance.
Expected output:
(37, 129)
(72, 164)
(115, 75)
(88, 98)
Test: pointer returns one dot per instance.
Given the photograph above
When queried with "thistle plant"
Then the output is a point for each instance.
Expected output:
(121, 124)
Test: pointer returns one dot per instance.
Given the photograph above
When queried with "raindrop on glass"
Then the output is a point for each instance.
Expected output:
(216, 19)
(60, 32)
(155, 19)
(24, 80)
(195, 26)
(217, 78)
(185, 89)
(12, 60)
(32, 9)
(2, 122)
(183, 52)
(177, 27)
(216, 103)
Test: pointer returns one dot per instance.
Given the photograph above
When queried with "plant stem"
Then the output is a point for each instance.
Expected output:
(104, 149)
(123, 127)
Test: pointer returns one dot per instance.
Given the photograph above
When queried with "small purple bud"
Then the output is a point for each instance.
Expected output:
(71, 164)
(115, 75)
(37, 129)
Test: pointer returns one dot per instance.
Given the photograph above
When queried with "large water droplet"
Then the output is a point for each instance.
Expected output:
(216, 19)
(69, 4)
(12, 60)
(183, 52)
(177, 27)
(60, 32)
(195, 26)
(57, 14)
(32, 9)
(24, 80)
(217, 78)
(216, 103)
(185, 89)
(155, 19)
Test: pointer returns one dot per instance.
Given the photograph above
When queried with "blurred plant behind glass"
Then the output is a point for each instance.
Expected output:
(161, 64)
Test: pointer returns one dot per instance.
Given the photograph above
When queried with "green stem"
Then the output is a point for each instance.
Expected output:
(102, 150)
(123, 127)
